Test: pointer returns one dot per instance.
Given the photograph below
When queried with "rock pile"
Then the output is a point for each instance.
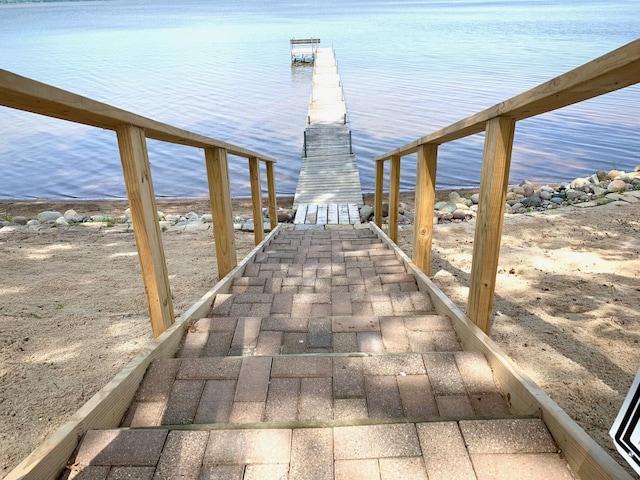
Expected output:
(600, 188)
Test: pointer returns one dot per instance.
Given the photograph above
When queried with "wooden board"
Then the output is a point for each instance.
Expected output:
(301, 214)
(583, 454)
(332, 214)
(322, 215)
(354, 214)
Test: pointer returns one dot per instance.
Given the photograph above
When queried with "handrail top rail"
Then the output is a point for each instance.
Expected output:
(29, 95)
(613, 71)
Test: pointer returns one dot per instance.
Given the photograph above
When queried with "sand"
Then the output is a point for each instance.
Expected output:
(72, 307)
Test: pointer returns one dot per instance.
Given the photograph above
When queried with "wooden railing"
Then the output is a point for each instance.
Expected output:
(132, 131)
(613, 71)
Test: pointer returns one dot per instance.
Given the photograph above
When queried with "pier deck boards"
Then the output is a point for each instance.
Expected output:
(328, 171)
(324, 361)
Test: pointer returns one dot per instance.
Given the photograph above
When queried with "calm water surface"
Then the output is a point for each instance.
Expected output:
(222, 69)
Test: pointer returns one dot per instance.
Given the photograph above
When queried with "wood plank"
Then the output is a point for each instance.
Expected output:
(221, 212)
(490, 217)
(612, 71)
(312, 214)
(354, 214)
(146, 229)
(322, 215)
(271, 191)
(394, 197)
(425, 201)
(256, 199)
(332, 214)
(582, 453)
(23, 93)
(343, 214)
(301, 214)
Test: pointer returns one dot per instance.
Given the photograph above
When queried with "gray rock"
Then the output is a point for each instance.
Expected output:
(557, 200)
(33, 223)
(61, 222)
(547, 188)
(20, 220)
(44, 217)
(617, 186)
(545, 195)
(511, 196)
(594, 178)
(573, 194)
(532, 201)
(385, 209)
(518, 190)
(518, 208)
(475, 198)
(366, 213)
(160, 214)
(440, 205)
(206, 218)
(454, 197)
(448, 207)
(579, 183)
(637, 169)
(597, 190)
(127, 214)
(403, 220)
(192, 217)
(602, 175)
(173, 218)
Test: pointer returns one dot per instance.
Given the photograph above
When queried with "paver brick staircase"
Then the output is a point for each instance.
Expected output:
(324, 361)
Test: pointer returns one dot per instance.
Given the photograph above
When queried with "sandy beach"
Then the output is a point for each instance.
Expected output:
(73, 312)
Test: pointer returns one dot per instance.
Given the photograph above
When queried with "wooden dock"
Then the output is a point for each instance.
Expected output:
(329, 172)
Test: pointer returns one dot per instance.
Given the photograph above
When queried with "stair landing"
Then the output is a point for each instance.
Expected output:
(324, 361)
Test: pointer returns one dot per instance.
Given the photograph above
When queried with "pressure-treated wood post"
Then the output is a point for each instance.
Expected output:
(425, 201)
(271, 192)
(256, 199)
(486, 246)
(394, 197)
(377, 206)
(221, 211)
(144, 214)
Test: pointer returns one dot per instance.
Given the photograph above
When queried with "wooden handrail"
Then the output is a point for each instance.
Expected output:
(613, 71)
(132, 131)
(23, 93)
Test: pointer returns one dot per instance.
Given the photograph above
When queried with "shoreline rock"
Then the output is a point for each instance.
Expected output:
(597, 189)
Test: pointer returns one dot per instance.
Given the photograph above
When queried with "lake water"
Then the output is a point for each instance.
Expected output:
(222, 68)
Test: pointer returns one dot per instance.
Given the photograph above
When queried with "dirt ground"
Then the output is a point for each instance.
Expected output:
(72, 307)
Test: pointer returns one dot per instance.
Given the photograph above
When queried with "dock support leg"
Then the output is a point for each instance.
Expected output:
(221, 211)
(144, 214)
(425, 201)
(256, 199)
(486, 246)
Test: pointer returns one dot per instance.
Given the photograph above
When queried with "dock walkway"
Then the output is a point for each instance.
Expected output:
(328, 172)
(324, 361)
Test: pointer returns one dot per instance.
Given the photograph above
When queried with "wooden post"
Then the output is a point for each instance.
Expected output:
(394, 197)
(377, 207)
(221, 211)
(144, 214)
(486, 246)
(271, 191)
(425, 201)
(256, 199)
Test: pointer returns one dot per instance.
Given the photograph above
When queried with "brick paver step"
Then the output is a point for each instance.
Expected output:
(275, 334)
(286, 388)
(472, 449)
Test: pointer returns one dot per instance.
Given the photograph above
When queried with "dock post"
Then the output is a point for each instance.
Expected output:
(350, 143)
(256, 199)
(425, 200)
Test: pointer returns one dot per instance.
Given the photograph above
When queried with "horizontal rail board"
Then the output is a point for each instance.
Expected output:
(613, 71)
(29, 95)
